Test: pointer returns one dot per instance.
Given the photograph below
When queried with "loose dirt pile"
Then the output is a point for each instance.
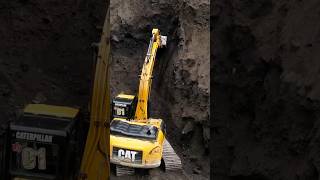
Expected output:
(266, 90)
(180, 91)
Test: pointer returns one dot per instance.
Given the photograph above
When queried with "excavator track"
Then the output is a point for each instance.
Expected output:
(124, 171)
(171, 160)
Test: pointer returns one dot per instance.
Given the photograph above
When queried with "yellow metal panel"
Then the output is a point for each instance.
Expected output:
(95, 160)
(120, 119)
(126, 96)
(50, 110)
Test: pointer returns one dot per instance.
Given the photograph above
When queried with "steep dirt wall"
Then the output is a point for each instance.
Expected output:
(266, 92)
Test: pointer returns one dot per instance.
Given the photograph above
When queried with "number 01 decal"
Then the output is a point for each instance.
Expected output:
(119, 111)
(29, 157)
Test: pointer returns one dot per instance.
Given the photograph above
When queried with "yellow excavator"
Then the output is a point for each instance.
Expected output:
(136, 140)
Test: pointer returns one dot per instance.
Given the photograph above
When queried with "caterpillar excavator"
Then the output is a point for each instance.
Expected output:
(50, 142)
(136, 140)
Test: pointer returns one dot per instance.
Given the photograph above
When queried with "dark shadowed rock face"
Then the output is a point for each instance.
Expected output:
(266, 89)
(45, 52)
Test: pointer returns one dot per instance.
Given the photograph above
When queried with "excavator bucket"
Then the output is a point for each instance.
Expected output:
(163, 41)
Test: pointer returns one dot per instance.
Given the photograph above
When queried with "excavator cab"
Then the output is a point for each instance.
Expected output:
(124, 106)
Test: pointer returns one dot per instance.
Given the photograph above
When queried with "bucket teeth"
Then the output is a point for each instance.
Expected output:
(124, 171)
(171, 160)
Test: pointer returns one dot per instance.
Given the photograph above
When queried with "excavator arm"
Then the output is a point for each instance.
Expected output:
(95, 159)
(157, 41)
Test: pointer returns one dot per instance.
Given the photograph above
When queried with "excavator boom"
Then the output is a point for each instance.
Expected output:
(156, 41)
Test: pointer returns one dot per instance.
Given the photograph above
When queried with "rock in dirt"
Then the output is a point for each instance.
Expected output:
(39, 98)
(188, 128)
(197, 170)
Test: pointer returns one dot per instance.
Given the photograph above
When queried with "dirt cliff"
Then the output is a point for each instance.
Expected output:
(266, 89)
(45, 52)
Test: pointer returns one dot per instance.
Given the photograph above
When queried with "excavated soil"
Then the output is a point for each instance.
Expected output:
(266, 90)
(180, 90)
(45, 52)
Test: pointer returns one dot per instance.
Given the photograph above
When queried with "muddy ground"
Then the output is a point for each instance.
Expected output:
(46, 56)
(180, 91)
(266, 90)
